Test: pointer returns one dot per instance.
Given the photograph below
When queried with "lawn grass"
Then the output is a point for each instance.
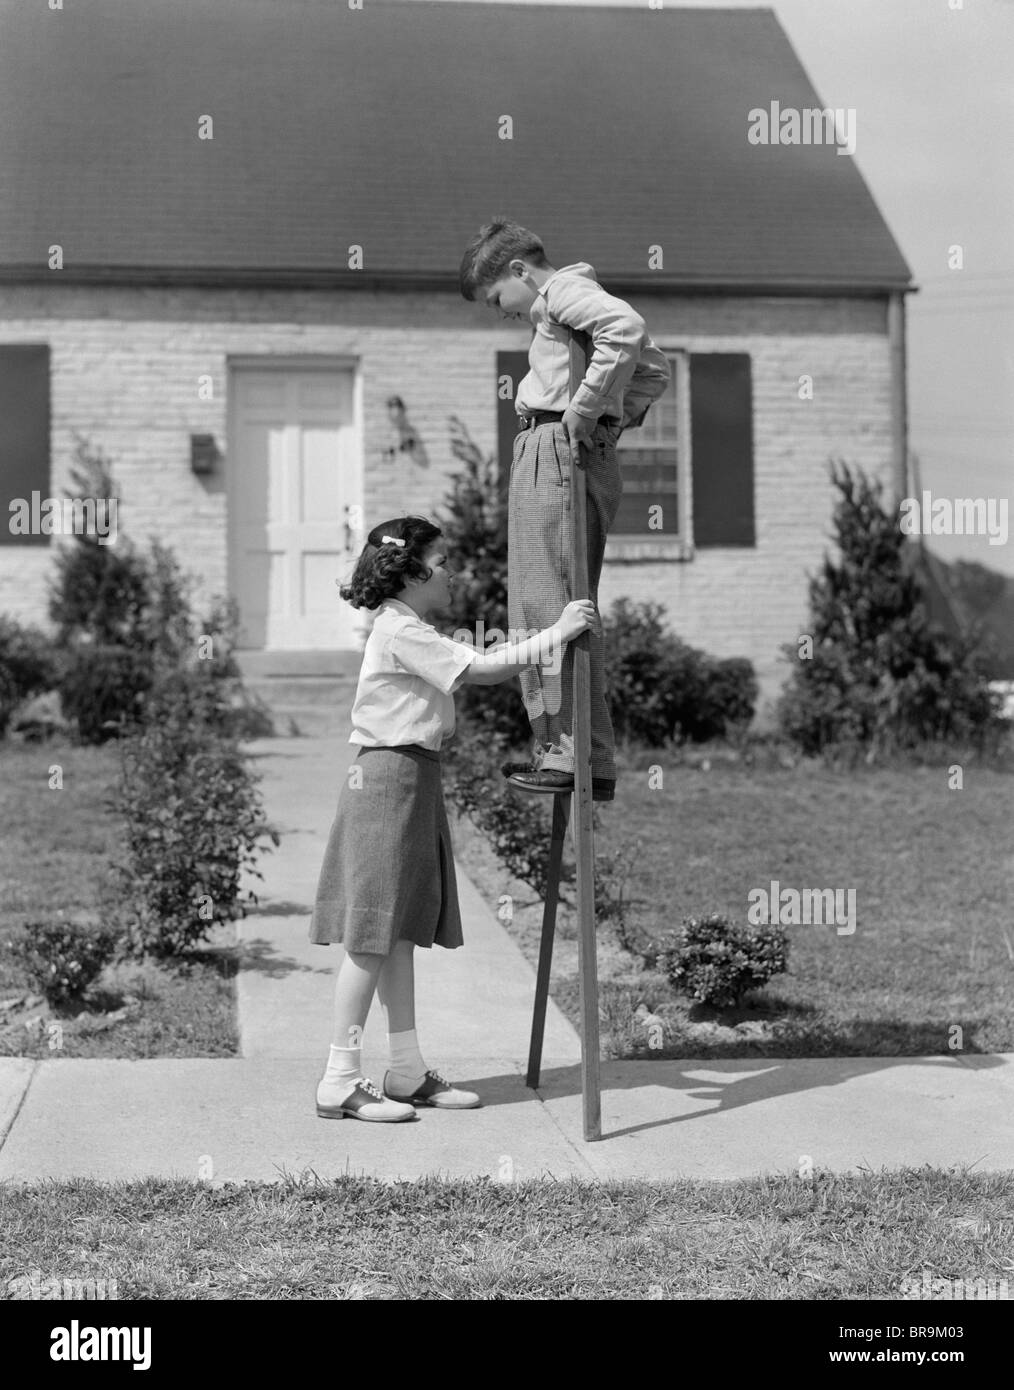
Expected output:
(855, 1236)
(933, 873)
(55, 850)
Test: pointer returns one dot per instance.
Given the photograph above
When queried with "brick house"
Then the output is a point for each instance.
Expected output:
(261, 209)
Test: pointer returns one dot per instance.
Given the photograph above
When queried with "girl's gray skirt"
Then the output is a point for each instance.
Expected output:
(388, 872)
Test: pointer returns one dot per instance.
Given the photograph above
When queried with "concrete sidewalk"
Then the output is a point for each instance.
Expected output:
(253, 1117)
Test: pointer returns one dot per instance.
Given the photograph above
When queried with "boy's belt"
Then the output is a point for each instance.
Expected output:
(541, 417)
(538, 417)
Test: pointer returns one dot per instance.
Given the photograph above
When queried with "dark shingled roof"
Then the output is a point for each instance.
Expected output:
(378, 127)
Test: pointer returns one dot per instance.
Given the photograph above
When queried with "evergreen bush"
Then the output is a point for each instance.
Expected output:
(881, 676)
(98, 592)
(129, 626)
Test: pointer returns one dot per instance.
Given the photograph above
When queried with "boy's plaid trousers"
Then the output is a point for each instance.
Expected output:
(538, 581)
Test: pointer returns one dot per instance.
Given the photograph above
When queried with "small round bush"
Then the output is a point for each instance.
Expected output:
(27, 665)
(62, 958)
(716, 961)
(659, 688)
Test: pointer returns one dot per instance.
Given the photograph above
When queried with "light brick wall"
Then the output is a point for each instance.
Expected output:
(125, 368)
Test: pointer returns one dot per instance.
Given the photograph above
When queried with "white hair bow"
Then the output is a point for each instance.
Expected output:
(392, 540)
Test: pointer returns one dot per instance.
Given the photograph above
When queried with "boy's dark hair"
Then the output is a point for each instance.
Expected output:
(491, 252)
(383, 567)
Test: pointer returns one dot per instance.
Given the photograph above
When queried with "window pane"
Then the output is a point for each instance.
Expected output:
(649, 461)
(633, 516)
(659, 427)
(641, 462)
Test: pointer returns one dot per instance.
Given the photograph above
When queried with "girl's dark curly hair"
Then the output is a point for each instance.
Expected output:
(383, 567)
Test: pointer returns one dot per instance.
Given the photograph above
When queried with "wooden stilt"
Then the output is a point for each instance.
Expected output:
(561, 811)
(582, 824)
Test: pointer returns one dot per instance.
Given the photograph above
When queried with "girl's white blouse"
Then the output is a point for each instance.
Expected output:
(407, 680)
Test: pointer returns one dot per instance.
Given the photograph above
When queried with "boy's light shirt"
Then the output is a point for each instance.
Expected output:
(626, 371)
(406, 682)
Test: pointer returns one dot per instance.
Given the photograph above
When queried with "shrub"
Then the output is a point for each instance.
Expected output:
(727, 700)
(613, 871)
(660, 688)
(28, 664)
(717, 962)
(241, 714)
(881, 675)
(101, 689)
(193, 818)
(516, 825)
(129, 624)
(62, 958)
(199, 650)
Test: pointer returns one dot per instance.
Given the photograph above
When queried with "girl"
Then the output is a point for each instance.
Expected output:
(387, 883)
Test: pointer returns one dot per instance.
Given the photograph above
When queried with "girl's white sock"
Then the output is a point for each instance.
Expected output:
(407, 1065)
(344, 1069)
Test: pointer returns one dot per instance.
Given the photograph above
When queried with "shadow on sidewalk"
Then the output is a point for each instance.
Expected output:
(766, 1079)
(264, 957)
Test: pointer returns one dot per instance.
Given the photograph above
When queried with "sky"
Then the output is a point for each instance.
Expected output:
(933, 91)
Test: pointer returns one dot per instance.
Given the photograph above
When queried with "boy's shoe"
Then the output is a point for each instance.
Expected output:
(553, 782)
(365, 1102)
(438, 1092)
(509, 769)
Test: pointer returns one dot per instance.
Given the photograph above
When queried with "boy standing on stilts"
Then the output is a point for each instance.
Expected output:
(506, 267)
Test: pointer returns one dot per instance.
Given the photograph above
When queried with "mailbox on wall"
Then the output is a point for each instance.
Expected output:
(203, 453)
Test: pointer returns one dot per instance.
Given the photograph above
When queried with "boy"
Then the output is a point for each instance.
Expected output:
(506, 267)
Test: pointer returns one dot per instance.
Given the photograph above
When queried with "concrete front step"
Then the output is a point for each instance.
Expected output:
(312, 706)
(318, 691)
(312, 721)
(260, 665)
(309, 693)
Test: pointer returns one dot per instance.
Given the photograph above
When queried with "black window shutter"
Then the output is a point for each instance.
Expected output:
(721, 435)
(24, 432)
(515, 366)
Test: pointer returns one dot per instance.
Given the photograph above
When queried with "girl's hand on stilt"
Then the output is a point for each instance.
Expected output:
(578, 617)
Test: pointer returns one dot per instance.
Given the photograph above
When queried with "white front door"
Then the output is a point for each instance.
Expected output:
(295, 476)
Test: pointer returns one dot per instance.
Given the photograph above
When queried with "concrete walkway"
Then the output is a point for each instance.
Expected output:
(253, 1117)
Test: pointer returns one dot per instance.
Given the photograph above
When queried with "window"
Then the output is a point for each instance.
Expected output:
(695, 458)
(652, 459)
(691, 460)
(24, 432)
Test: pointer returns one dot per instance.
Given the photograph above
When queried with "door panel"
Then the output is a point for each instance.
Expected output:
(295, 469)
